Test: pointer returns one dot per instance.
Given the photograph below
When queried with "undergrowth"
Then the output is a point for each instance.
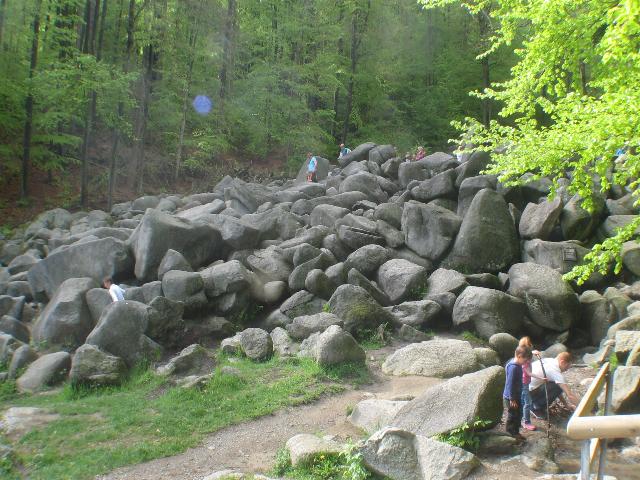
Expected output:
(473, 338)
(346, 465)
(465, 436)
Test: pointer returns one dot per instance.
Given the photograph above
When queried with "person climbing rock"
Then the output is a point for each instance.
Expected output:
(117, 293)
(312, 168)
(343, 150)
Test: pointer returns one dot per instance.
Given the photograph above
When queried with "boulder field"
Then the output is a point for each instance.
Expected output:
(294, 268)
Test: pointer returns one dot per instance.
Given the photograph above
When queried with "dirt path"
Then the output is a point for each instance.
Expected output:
(252, 446)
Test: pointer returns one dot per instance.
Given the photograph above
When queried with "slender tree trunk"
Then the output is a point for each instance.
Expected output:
(336, 93)
(185, 98)
(28, 105)
(485, 29)
(358, 27)
(583, 78)
(229, 44)
(115, 134)
(3, 9)
(89, 43)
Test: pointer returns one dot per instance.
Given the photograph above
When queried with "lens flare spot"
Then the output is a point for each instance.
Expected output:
(202, 104)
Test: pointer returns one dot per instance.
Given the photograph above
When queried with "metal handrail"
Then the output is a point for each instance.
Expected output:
(595, 430)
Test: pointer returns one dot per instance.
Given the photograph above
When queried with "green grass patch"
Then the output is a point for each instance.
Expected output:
(147, 418)
(373, 339)
(347, 465)
(473, 338)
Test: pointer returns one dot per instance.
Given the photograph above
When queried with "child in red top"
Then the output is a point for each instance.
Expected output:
(526, 380)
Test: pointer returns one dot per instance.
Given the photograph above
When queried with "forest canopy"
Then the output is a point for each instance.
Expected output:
(107, 87)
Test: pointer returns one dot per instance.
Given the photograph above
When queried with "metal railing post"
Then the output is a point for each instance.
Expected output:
(585, 460)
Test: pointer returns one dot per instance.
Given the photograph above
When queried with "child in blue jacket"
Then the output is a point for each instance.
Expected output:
(513, 390)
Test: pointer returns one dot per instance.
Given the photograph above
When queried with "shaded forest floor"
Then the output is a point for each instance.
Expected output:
(62, 189)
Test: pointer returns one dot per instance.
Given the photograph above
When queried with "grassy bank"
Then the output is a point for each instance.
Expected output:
(147, 418)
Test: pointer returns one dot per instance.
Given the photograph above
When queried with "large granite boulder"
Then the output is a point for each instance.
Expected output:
(626, 390)
(173, 260)
(551, 301)
(94, 259)
(417, 314)
(433, 358)
(400, 455)
(92, 366)
(444, 280)
(441, 185)
(237, 233)
(256, 343)
(269, 265)
(487, 240)
(305, 325)
(227, 277)
(429, 229)
(335, 346)
(48, 370)
(399, 279)
(366, 183)
(470, 187)
(361, 152)
(120, 332)
(158, 232)
(450, 404)
(489, 311)
(192, 360)
(327, 215)
(576, 222)
(66, 320)
(185, 287)
(357, 308)
(373, 414)
(304, 448)
(538, 220)
(367, 259)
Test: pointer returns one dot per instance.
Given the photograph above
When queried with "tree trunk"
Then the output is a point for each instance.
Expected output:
(89, 43)
(3, 9)
(336, 93)
(485, 30)
(185, 98)
(28, 105)
(229, 44)
(358, 27)
(115, 134)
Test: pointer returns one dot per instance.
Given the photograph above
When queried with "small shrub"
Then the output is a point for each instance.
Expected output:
(326, 308)
(465, 436)
(372, 339)
(613, 363)
(283, 462)
(473, 338)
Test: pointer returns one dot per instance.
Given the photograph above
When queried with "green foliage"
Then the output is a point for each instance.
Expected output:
(565, 109)
(146, 417)
(326, 308)
(372, 339)
(613, 362)
(473, 338)
(355, 374)
(347, 465)
(465, 436)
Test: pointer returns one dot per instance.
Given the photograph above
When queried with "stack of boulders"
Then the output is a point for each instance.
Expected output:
(299, 268)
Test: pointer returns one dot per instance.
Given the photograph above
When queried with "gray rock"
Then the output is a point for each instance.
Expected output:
(410, 171)
(21, 358)
(238, 234)
(185, 287)
(92, 366)
(94, 259)
(194, 213)
(366, 183)
(256, 344)
(22, 263)
(165, 324)
(489, 312)
(46, 371)
(327, 215)
(400, 279)
(449, 404)
(485, 280)
(319, 284)
(440, 186)
(66, 320)
(596, 314)
(469, 188)
(357, 308)
(417, 314)
(158, 232)
(626, 390)
(8, 345)
(444, 280)
(487, 357)
(173, 260)
(429, 230)
(192, 360)
(305, 447)
(487, 240)
(407, 333)
(11, 306)
(97, 300)
(354, 277)
(504, 344)
(401, 455)
(359, 153)
(551, 301)
(367, 259)
(227, 277)
(299, 274)
(283, 345)
(390, 213)
(302, 303)
(538, 220)
(269, 265)
(393, 237)
(355, 238)
(477, 163)
(120, 332)
(303, 326)
(373, 414)
(335, 346)
(433, 358)
(15, 328)
(576, 222)
(539, 455)
(631, 256)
